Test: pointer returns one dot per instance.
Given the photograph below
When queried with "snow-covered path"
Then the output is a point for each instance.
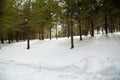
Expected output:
(95, 58)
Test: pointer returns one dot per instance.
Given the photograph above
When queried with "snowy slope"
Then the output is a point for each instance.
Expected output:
(96, 58)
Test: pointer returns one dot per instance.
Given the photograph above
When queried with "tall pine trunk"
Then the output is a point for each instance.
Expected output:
(9, 40)
(71, 29)
(106, 24)
(39, 34)
(17, 36)
(119, 24)
(50, 34)
(56, 32)
(80, 31)
(42, 33)
(68, 29)
(92, 28)
(28, 36)
(68, 34)
(2, 39)
(28, 43)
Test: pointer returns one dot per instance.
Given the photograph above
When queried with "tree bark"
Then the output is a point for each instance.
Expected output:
(56, 32)
(68, 29)
(17, 36)
(71, 29)
(92, 28)
(42, 33)
(28, 43)
(106, 25)
(50, 34)
(80, 31)
(119, 24)
(9, 40)
(2, 39)
(28, 36)
(68, 34)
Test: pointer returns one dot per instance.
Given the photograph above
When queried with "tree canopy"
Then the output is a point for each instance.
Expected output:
(37, 19)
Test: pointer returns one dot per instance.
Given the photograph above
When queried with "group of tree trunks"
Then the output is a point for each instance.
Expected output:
(36, 19)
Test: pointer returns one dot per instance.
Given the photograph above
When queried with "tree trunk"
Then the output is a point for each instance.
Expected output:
(50, 34)
(119, 24)
(68, 30)
(28, 36)
(71, 29)
(68, 34)
(92, 28)
(39, 34)
(28, 40)
(56, 32)
(28, 43)
(80, 31)
(98, 30)
(2, 39)
(106, 25)
(17, 39)
(42, 33)
(9, 41)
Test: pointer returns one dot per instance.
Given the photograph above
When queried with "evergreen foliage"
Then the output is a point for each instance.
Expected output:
(36, 19)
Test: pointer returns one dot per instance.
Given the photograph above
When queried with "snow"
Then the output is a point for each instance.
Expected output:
(94, 58)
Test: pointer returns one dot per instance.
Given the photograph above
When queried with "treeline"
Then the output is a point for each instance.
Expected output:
(35, 19)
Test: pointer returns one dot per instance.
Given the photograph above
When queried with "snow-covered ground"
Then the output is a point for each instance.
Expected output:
(96, 58)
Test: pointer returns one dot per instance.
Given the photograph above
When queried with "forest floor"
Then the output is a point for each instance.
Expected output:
(93, 58)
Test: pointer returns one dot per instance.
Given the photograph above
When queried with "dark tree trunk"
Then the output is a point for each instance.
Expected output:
(119, 24)
(17, 36)
(56, 32)
(17, 39)
(47, 36)
(111, 26)
(42, 33)
(12, 38)
(68, 30)
(9, 40)
(39, 34)
(2, 39)
(71, 29)
(28, 43)
(28, 37)
(28, 28)
(28, 40)
(68, 34)
(50, 34)
(98, 30)
(102, 30)
(92, 28)
(106, 25)
(35, 35)
(80, 31)
(87, 24)
(112, 29)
